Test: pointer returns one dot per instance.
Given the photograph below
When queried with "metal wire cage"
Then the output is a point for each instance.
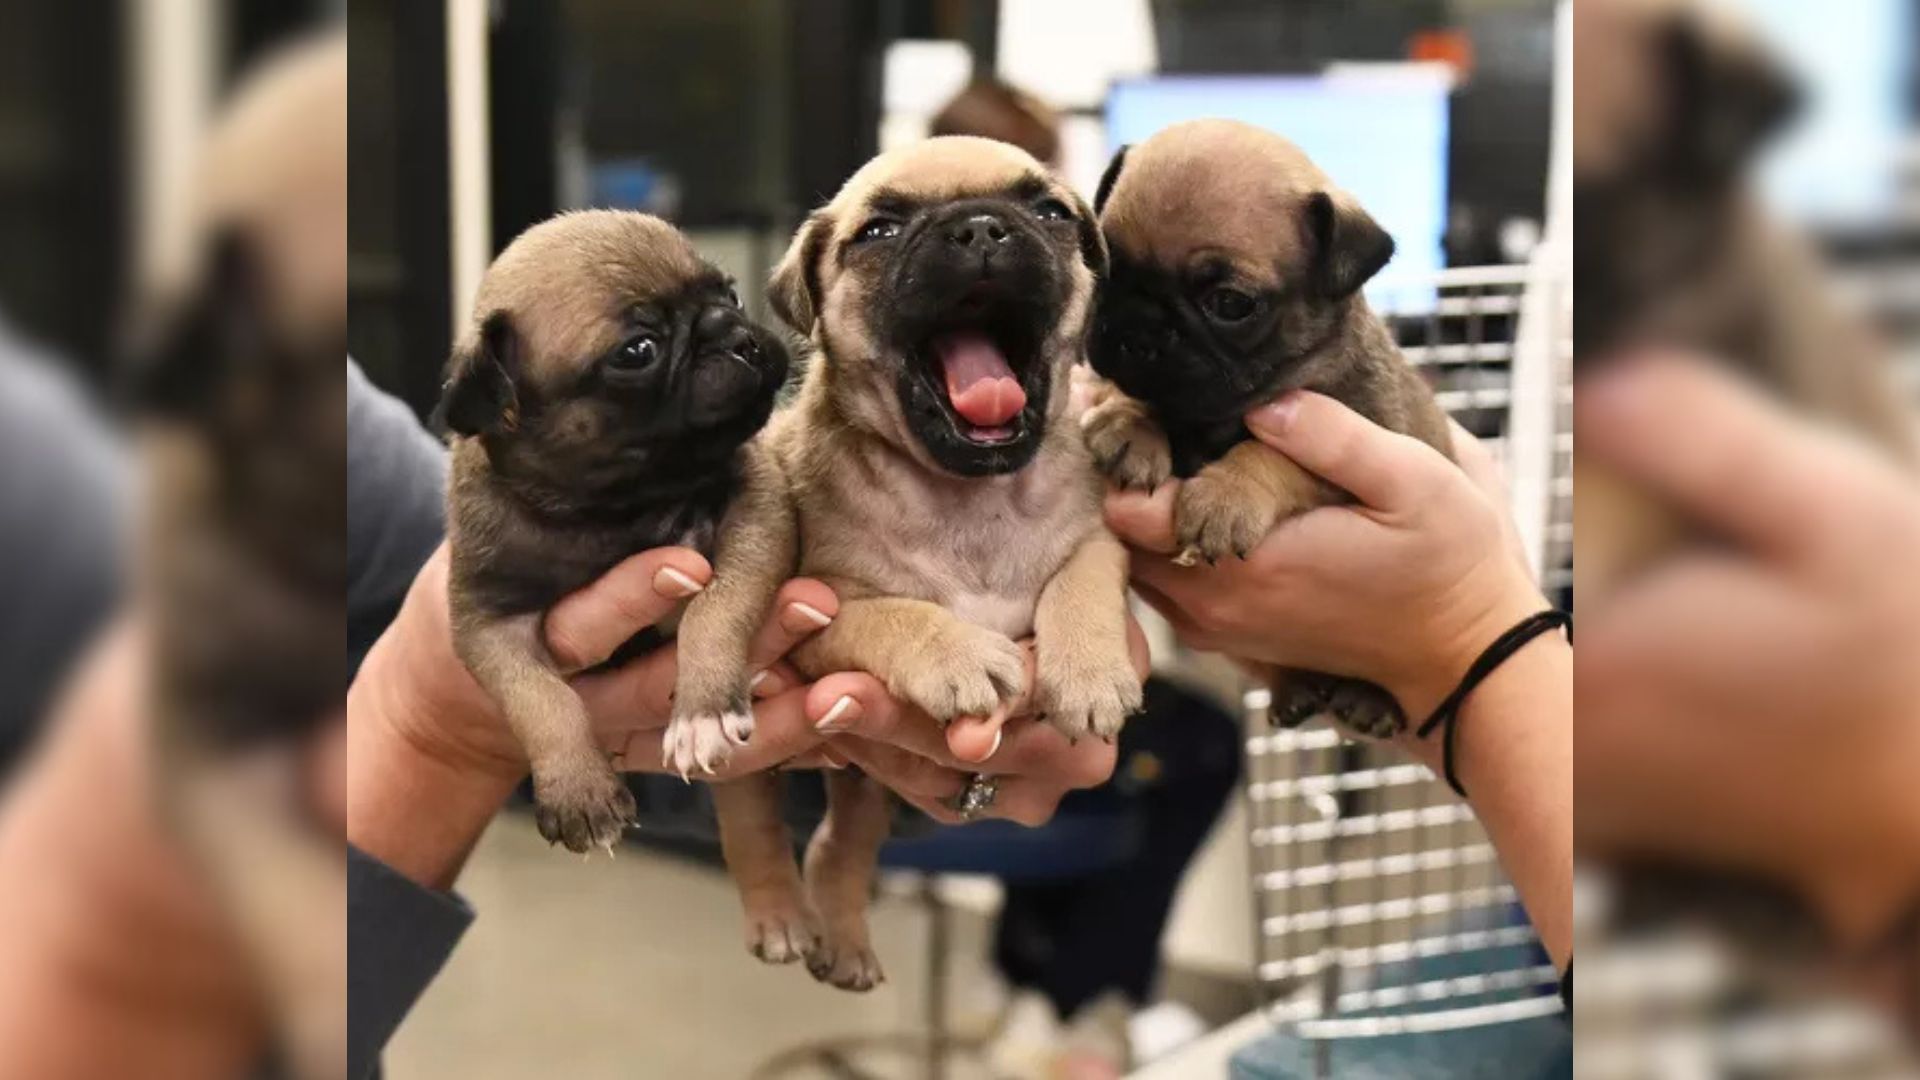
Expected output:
(1379, 905)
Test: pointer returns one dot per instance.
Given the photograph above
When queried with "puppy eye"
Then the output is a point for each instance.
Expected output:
(877, 229)
(1052, 210)
(1228, 305)
(636, 354)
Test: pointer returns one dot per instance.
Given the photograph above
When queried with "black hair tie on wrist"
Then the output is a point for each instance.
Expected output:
(1504, 646)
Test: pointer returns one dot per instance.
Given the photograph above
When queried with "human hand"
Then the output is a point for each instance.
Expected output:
(1756, 705)
(121, 958)
(420, 728)
(906, 750)
(1404, 587)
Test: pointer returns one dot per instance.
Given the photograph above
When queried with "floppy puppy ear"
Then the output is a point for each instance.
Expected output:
(1105, 187)
(479, 397)
(176, 359)
(1349, 246)
(1729, 96)
(794, 290)
(1093, 243)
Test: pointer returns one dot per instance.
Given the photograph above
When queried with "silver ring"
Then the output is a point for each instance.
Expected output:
(977, 798)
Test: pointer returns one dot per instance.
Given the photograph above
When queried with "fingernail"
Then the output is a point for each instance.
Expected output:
(841, 716)
(673, 583)
(835, 758)
(1275, 417)
(811, 615)
(999, 733)
(764, 684)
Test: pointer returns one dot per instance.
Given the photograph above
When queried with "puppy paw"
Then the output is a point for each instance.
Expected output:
(1360, 707)
(1300, 700)
(781, 931)
(703, 741)
(582, 805)
(1365, 709)
(1127, 446)
(1219, 513)
(1084, 691)
(965, 670)
(845, 963)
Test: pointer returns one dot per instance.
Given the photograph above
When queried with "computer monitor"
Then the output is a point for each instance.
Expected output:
(1838, 164)
(1380, 135)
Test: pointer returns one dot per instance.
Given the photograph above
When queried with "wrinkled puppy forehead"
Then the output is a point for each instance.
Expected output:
(1212, 187)
(938, 170)
(567, 282)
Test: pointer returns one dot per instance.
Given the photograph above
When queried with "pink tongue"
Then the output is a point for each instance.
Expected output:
(979, 382)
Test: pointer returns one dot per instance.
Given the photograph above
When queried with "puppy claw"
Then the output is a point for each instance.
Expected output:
(1365, 709)
(781, 933)
(847, 966)
(1126, 445)
(582, 806)
(1189, 556)
(965, 671)
(1086, 691)
(696, 742)
(1218, 514)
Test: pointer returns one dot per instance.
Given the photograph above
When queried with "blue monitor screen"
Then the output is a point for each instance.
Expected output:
(1382, 138)
(1838, 164)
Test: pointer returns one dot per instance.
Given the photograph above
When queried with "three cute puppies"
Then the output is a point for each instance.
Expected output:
(608, 397)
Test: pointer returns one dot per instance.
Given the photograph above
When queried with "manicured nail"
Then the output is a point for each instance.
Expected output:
(1276, 416)
(765, 684)
(841, 716)
(673, 583)
(811, 615)
(999, 733)
(835, 759)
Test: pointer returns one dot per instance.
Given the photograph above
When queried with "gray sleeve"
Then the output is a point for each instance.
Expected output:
(396, 481)
(63, 509)
(399, 935)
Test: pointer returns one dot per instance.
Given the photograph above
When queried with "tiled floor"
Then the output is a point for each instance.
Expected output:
(633, 968)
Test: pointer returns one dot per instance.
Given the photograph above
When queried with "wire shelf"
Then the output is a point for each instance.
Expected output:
(1380, 907)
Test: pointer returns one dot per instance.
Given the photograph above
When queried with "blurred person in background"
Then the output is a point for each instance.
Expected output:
(63, 499)
(1081, 956)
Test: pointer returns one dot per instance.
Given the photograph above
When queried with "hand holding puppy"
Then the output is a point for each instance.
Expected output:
(907, 751)
(420, 720)
(1403, 588)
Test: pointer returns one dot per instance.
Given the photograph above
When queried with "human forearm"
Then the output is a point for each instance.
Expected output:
(414, 810)
(1514, 757)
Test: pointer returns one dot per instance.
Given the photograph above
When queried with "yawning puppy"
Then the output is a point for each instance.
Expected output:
(1236, 275)
(938, 485)
(598, 403)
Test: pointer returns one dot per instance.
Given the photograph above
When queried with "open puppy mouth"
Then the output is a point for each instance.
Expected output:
(977, 365)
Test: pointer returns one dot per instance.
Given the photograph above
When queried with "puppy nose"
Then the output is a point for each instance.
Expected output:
(716, 322)
(980, 232)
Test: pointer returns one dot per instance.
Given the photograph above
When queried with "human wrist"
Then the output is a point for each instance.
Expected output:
(1514, 757)
(1864, 886)
(1500, 605)
(410, 803)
